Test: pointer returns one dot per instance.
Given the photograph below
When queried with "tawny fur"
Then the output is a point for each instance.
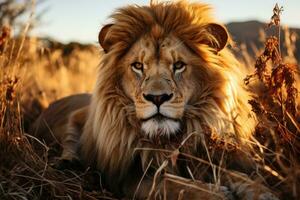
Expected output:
(112, 131)
(110, 134)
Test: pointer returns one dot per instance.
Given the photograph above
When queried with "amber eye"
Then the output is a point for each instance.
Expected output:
(179, 66)
(137, 67)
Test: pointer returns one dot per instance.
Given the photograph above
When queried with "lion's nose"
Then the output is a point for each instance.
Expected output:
(158, 99)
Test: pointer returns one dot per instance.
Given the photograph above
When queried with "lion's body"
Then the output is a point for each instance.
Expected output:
(206, 96)
(51, 126)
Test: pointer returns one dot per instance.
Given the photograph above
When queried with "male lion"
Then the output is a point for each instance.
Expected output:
(166, 83)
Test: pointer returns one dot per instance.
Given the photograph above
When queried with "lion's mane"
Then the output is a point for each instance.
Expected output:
(112, 132)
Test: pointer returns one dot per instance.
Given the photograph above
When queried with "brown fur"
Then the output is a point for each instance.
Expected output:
(52, 122)
(111, 132)
(112, 125)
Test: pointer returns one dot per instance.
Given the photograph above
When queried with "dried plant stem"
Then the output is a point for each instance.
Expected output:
(187, 182)
(140, 182)
(157, 173)
(25, 31)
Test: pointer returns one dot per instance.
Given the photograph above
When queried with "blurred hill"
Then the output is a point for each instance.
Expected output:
(248, 35)
(253, 34)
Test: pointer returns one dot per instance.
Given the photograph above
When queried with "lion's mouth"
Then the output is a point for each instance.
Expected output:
(159, 118)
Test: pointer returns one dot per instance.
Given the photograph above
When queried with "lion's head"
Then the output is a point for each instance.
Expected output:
(161, 77)
(165, 72)
(162, 68)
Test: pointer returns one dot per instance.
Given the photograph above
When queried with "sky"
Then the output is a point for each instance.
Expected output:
(81, 20)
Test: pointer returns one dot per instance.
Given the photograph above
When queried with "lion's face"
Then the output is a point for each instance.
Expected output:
(160, 62)
(158, 78)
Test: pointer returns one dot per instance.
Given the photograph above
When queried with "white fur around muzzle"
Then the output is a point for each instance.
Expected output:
(153, 128)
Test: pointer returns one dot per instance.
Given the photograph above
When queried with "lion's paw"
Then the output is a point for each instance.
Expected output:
(267, 196)
(250, 192)
(227, 193)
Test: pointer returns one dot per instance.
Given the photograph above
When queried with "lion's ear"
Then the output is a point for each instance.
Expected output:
(102, 37)
(220, 35)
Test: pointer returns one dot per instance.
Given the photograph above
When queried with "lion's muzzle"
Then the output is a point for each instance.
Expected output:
(157, 99)
(160, 116)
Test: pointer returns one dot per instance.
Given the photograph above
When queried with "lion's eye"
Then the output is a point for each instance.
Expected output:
(137, 67)
(179, 66)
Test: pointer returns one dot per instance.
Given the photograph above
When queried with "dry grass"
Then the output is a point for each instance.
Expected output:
(36, 72)
(41, 74)
(276, 104)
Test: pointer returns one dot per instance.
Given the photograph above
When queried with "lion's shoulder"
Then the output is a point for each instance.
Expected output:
(54, 119)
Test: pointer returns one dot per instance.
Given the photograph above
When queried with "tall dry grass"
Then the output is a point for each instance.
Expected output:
(34, 73)
(275, 101)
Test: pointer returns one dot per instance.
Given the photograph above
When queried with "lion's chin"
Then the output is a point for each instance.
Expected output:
(165, 127)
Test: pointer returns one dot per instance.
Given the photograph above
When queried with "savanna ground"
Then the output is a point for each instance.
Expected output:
(35, 72)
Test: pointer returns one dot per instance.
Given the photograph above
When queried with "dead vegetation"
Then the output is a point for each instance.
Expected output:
(40, 75)
(36, 72)
(276, 106)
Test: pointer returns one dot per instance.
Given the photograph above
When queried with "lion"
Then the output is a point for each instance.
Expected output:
(167, 81)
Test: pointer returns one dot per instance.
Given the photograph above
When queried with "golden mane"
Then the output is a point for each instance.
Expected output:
(111, 132)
